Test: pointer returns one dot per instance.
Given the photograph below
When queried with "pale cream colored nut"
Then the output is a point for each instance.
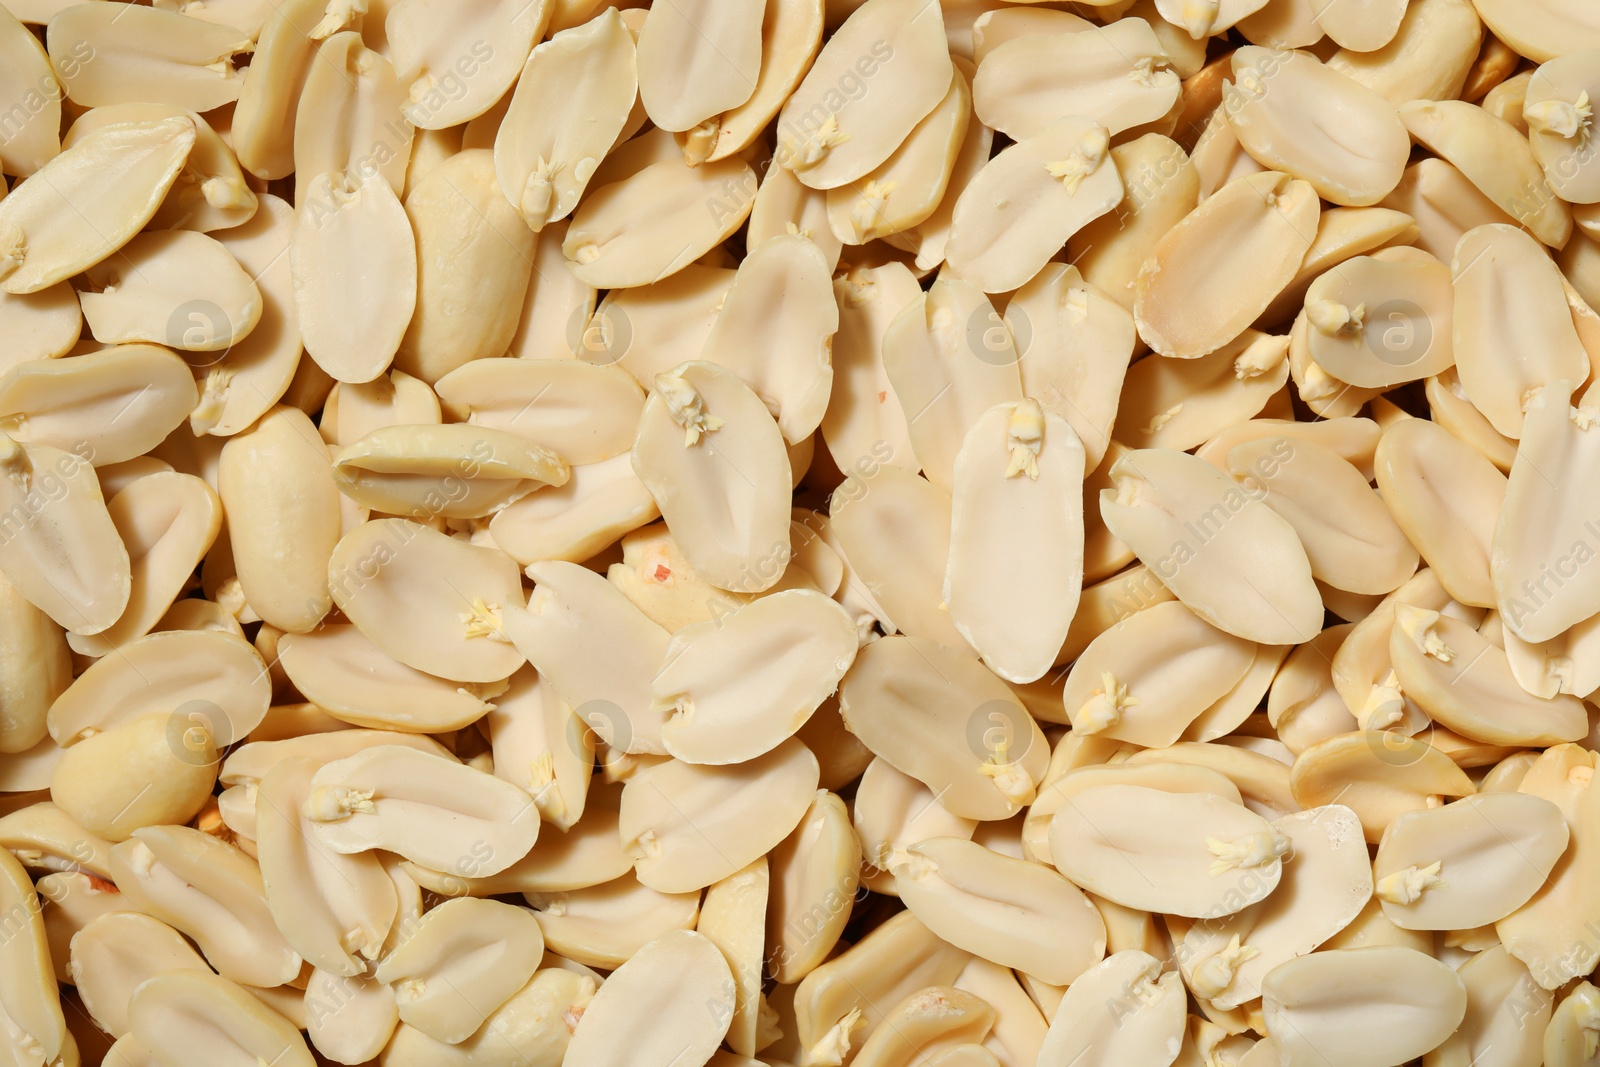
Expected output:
(460, 216)
(460, 963)
(283, 505)
(783, 205)
(428, 600)
(932, 1024)
(839, 1005)
(944, 719)
(949, 358)
(535, 1025)
(1349, 536)
(1543, 933)
(209, 891)
(116, 952)
(818, 866)
(791, 35)
(335, 910)
(44, 837)
(454, 471)
(1378, 774)
(349, 1019)
(249, 764)
(35, 669)
(117, 177)
(1559, 114)
(541, 745)
(149, 771)
(36, 1030)
(353, 258)
(1072, 773)
(168, 522)
(1380, 320)
(59, 547)
(1009, 911)
(895, 198)
(255, 374)
(737, 687)
(1019, 1026)
(1079, 343)
(1205, 536)
(1326, 1003)
(1123, 1010)
(684, 987)
(454, 63)
(1464, 681)
(1303, 705)
(1447, 498)
(1116, 76)
(651, 328)
(636, 228)
(1029, 200)
(708, 447)
(1543, 29)
(263, 119)
(1178, 404)
(586, 856)
(350, 678)
(1326, 883)
(1469, 863)
(137, 295)
(154, 55)
(1495, 158)
(42, 325)
(1428, 58)
(1016, 541)
(893, 811)
(697, 60)
(178, 1014)
(1573, 1033)
(600, 503)
(544, 156)
(572, 616)
(733, 917)
(829, 138)
(1185, 854)
(1507, 287)
(37, 138)
(1146, 679)
(1538, 599)
(354, 410)
(209, 680)
(605, 925)
(1249, 238)
(775, 331)
(1506, 1009)
(104, 407)
(687, 826)
(443, 815)
(584, 413)
(344, 121)
(1293, 114)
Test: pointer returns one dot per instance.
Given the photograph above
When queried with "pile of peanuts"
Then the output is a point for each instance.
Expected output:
(799, 533)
